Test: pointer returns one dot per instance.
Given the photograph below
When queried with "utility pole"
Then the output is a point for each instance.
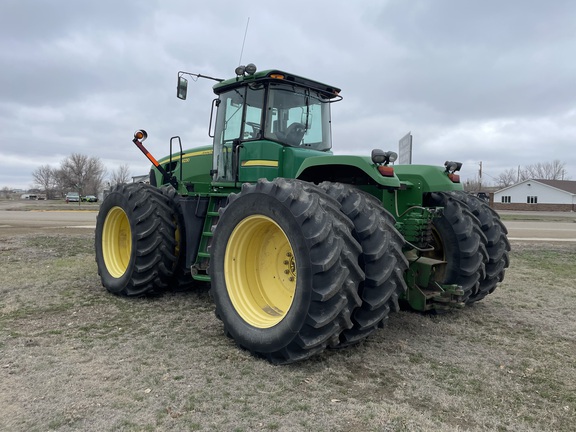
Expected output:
(480, 176)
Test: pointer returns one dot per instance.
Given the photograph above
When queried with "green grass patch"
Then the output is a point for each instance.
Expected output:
(536, 217)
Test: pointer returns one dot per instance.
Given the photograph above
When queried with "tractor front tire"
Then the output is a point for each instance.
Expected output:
(284, 270)
(134, 240)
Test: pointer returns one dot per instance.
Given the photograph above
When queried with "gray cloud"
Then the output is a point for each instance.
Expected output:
(490, 81)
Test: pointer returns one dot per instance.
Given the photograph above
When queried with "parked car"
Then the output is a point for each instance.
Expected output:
(90, 198)
(483, 196)
(72, 197)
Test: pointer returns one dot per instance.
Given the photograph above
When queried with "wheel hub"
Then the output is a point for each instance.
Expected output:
(116, 242)
(260, 271)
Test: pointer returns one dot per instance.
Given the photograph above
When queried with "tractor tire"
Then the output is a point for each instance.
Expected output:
(458, 240)
(382, 260)
(284, 270)
(497, 244)
(134, 240)
(182, 278)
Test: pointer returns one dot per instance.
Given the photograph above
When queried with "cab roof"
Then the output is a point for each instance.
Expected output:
(276, 75)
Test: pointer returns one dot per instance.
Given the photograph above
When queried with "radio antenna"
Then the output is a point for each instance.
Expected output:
(244, 41)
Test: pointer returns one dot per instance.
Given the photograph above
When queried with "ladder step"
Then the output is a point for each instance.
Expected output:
(204, 254)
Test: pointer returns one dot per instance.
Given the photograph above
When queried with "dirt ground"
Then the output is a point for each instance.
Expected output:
(73, 357)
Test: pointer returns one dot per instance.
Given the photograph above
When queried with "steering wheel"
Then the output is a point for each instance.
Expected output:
(256, 128)
(295, 133)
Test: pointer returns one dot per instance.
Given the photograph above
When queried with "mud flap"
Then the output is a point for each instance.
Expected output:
(194, 210)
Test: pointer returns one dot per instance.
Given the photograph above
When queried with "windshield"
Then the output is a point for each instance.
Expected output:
(297, 117)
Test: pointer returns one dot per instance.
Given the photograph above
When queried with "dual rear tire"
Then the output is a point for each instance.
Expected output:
(285, 270)
(473, 241)
(495, 241)
(298, 268)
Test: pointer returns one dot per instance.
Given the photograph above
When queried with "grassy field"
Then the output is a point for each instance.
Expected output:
(48, 205)
(73, 357)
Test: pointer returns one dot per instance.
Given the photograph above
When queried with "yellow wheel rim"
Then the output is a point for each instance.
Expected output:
(116, 242)
(260, 271)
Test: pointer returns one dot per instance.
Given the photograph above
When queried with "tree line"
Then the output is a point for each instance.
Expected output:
(77, 173)
(87, 176)
(555, 170)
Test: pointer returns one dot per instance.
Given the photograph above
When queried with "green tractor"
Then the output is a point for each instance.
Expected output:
(303, 249)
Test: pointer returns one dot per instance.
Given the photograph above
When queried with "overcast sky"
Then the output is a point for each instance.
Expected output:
(485, 80)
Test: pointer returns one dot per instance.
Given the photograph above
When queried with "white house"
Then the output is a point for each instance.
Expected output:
(554, 195)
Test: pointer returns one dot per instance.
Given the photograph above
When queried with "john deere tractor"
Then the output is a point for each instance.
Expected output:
(303, 249)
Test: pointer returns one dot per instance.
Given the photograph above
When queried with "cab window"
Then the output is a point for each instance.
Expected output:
(297, 117)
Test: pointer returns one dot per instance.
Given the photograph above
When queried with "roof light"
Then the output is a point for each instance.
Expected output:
(250, 69)
(277, 76)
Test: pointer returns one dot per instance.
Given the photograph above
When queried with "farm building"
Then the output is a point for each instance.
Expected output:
(542, 195)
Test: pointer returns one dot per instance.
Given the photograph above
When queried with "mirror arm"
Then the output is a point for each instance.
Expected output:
(181, 73)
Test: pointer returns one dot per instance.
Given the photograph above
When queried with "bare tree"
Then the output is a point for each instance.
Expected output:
(554, 170)
(507, 178)
(6, 192)
(81, 173)
(472, 185)
(45, 178)
(120, 175)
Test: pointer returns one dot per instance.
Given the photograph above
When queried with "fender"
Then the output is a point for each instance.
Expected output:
(426, 178)
(355, 170)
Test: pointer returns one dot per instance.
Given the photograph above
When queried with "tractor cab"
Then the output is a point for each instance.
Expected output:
(262, 113)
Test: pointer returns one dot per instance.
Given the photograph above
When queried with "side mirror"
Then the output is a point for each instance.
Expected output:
(182, 88)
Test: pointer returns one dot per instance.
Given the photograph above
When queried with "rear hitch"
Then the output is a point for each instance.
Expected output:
(425, 292)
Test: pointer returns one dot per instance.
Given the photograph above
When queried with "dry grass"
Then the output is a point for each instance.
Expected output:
(73, 357)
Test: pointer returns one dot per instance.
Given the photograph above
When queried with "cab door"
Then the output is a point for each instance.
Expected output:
(239, 121)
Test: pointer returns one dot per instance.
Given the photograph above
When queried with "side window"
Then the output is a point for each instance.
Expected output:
(233, 117)
(313, 136)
